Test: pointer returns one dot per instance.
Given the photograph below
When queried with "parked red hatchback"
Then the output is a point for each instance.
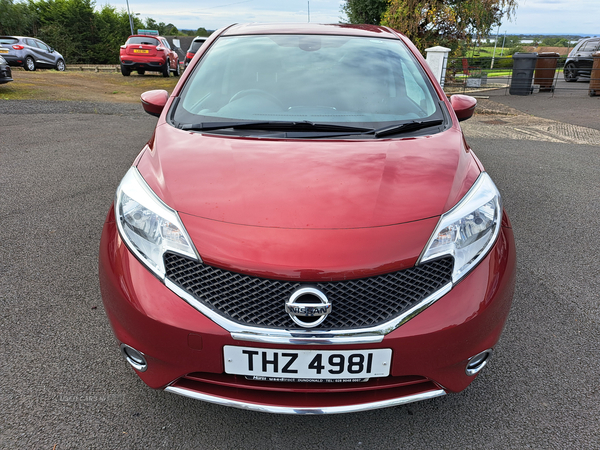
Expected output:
(148, 53)
(307, 231)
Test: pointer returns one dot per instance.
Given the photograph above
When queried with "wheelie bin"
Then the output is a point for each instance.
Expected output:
(545, 70)
(595, 76)
(522, 75)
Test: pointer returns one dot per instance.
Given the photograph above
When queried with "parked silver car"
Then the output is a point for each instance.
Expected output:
(30, 53)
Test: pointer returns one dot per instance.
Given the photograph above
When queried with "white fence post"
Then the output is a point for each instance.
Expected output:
(437, 58)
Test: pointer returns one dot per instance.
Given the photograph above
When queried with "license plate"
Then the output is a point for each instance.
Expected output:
(3, 50)
(141, 51)
(307, 364)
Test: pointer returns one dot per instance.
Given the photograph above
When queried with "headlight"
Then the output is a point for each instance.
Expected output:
(148, 227)
(468, 230)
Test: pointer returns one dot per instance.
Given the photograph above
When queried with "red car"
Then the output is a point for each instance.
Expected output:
(307, 231)
(147, 52)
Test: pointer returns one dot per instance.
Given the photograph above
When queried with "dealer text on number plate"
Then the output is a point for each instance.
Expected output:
(307, 364)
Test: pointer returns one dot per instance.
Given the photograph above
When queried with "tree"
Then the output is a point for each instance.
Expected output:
(15, 18)
(112, 30)
(202, 32)
(365, 11)
(554, 42)
(67, 25)
(170, 30)
(162, 28)
(446, 22)
(81, 33)
(151, 24)
(511, 40)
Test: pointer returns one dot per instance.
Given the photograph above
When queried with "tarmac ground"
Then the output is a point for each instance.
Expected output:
(568, 103)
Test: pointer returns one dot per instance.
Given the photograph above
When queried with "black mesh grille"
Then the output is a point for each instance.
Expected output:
(260, 302)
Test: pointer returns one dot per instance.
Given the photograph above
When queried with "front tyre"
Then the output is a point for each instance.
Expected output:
(60, 65)
(166, 71)
(570, 73)
(29, 64)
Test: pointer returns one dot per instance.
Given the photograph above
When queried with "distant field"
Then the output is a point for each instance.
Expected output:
(487, 51)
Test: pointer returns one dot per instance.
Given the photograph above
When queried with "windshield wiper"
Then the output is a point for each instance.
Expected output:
(306, 125)
(274, 125)
(405, 127)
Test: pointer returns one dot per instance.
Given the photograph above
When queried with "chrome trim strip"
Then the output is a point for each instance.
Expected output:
(289, 410)
(371, 335)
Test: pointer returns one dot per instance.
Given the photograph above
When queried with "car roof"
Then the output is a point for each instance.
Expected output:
(310, 28)
(147, 35)
(593, 38)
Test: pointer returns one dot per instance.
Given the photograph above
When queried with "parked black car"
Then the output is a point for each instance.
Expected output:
(579, 62)
(5, 72)
(30, 53)
(194, 46)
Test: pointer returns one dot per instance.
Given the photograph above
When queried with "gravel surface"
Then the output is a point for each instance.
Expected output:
(17, 107)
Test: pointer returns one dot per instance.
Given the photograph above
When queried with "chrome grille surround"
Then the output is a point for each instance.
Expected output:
(252, 308)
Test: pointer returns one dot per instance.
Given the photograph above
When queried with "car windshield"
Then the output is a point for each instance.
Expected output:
(8, 41)
(326, 79)
(142, 40)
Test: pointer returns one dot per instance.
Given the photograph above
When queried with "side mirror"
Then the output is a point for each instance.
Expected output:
(154, 101)
(463, 105)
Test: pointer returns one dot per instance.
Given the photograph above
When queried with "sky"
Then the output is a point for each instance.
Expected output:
(532, 16)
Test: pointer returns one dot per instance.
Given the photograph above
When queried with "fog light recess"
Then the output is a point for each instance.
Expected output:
(478, 362)
(134, 357)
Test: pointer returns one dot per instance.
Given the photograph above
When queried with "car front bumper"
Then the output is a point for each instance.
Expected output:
(5, 74)
(184, 349)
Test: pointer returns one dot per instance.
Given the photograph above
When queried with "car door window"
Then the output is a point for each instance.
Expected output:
(43, 46)
(589, 46)
(166, 44)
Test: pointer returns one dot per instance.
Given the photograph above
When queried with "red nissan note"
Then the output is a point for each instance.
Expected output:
(307, 231)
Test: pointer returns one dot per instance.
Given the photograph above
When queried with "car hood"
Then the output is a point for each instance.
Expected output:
(308, 184)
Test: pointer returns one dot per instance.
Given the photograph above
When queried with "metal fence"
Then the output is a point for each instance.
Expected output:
(497, 76)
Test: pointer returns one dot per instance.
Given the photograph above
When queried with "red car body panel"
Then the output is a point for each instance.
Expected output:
(308, 211)
(379, 183)
(178, 340)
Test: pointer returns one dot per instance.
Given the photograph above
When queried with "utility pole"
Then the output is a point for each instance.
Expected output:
(495, 44)
(130, 19)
